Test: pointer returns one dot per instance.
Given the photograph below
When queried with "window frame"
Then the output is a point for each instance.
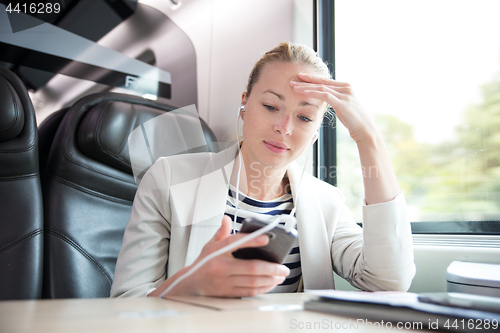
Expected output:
(325, 149)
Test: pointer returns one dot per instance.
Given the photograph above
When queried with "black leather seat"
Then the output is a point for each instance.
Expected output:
(21, 215)
(88, 189)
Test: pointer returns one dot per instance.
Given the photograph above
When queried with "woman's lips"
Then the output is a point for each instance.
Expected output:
(276, 147)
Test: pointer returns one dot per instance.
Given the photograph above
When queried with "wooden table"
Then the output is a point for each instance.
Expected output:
(266, 313)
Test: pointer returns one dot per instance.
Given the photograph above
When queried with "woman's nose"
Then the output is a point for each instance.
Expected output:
(283, 124)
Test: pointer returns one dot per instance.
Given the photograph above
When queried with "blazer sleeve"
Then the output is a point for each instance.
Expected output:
(378, 256)
(141, 264)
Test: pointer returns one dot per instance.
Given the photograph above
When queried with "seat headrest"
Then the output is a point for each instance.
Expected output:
(105, 128)
(12, 112)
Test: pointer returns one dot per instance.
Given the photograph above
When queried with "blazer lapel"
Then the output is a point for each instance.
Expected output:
(210, 199)
(212, 187)
(317, 269)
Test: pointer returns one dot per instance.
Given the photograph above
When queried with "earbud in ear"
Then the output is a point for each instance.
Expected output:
(315, 137)
(242, 108)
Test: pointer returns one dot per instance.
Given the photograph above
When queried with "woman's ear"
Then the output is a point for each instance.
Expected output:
(242, 107)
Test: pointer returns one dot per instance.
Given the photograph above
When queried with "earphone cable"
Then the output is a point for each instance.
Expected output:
(225, 249)
(290, 222)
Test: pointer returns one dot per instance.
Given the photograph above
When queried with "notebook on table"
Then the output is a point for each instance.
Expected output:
(455, 312)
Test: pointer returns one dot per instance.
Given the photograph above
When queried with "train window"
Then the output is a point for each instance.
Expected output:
(429, 71)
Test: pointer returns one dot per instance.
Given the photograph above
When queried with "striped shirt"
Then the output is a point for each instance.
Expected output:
(265, 211)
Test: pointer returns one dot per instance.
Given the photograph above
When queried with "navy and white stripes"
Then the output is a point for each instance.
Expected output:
(265, 211)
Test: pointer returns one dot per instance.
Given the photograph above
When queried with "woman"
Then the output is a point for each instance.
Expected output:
(177, 212)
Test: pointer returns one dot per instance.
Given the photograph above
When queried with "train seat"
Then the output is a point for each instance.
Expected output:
(88, 189)
(21, 222)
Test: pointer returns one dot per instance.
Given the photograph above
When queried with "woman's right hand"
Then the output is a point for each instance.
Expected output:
(224, 275)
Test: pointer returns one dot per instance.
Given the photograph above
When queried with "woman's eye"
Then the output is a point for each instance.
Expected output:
(270, 107)
(305, 119)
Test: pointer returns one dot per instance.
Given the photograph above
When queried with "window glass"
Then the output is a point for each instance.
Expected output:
(429, 72)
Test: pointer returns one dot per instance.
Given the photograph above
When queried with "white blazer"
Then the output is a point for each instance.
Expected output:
(180, 203)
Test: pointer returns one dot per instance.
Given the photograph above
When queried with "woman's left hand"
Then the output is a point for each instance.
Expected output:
(340, 96)
(373, 155)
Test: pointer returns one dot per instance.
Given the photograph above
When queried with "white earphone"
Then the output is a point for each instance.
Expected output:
(290, 220)
(315, 136)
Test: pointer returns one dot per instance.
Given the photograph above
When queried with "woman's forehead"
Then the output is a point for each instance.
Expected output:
(285, 70)
(276, 80)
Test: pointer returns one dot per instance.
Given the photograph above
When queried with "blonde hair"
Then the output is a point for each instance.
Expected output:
(292, 53)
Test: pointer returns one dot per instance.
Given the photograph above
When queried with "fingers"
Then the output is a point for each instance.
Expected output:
(326, 94)
(225, 275)
(255, 267)
(327, 90)
(264, 281)
(249, 273)
(308, 88)
(258, 241)
(244, 286)
(240, 278)
(340, 96)
(298, 86)
(224, 230)
(320, 86)
(311, 78)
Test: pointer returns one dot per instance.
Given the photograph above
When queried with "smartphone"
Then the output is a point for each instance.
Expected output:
(280, 242)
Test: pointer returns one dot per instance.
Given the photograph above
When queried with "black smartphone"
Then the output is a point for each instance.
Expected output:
(280, 242)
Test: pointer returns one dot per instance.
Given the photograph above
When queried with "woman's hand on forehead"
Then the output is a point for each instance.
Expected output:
(340, 96)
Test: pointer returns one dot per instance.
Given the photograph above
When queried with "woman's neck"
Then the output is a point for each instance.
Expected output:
(259, 181)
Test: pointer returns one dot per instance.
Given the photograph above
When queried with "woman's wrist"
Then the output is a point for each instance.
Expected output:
(369, 138)
(380, 182)
(182, 289)
(368, 133)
